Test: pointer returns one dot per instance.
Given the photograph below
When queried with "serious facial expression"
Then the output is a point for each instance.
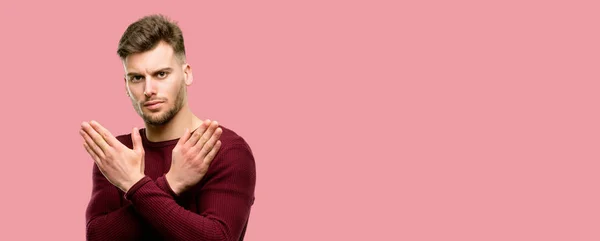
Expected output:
(156, 81)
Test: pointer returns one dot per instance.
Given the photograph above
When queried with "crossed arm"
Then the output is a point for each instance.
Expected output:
(224, 203)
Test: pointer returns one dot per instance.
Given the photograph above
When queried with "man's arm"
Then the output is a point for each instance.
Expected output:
(109, 216)
(224, 201)
(106, 217)
(225, 198)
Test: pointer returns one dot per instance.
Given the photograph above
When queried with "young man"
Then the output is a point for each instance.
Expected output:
(179, 178)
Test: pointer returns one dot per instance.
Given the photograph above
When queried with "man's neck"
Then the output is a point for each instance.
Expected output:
(174, 128)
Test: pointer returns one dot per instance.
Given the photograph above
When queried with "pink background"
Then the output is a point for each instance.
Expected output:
(372, 120)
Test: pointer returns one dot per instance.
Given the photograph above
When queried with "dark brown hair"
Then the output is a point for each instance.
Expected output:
(147, 32)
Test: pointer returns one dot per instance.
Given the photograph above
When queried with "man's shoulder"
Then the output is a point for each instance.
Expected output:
(230, 138)
(234, 155)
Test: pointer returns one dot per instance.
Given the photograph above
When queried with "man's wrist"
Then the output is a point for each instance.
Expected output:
(173, 184)
(125, 188)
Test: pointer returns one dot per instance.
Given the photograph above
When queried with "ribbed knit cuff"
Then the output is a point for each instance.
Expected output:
(137, 186)
(162, 183)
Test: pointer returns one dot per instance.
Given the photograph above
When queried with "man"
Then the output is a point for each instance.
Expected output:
(179, 178)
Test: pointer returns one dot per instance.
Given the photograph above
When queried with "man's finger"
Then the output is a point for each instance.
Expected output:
(208, 146)
(92, 154)
(207, 134)
(97, 138)
(198, 133)
(106, 135)
(92, 145)
(136, 138)
(211, 155)
(184, 138)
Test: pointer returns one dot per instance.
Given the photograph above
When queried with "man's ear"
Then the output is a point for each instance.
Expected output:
(126, 90)
(187, 73)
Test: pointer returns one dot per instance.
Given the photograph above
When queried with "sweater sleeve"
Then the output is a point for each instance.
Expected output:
(224, 201)
(106, 217)
(109, 216)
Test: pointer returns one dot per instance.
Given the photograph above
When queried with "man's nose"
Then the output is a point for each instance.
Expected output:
(149, 88)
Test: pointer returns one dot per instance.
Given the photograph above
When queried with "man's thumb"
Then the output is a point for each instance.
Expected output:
(137, 140)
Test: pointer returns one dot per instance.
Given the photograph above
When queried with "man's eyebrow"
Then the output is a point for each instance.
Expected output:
(166, 69)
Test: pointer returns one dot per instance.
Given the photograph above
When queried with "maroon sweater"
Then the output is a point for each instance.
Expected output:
(217, 208)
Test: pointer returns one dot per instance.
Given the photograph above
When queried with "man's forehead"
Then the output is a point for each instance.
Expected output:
(159, 57)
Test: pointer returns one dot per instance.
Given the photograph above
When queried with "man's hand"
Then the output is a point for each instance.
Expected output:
(192, 155)
(120, 165)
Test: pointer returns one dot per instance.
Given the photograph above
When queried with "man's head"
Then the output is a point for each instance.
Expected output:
(156, 72)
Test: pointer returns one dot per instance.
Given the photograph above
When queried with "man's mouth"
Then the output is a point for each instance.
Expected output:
(153, 104)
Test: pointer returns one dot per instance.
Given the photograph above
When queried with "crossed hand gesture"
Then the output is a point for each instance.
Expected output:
(123, 167)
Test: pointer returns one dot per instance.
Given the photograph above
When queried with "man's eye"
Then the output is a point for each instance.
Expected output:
(162, 74)
(137, 78)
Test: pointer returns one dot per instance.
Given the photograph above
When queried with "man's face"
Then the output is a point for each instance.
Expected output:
(156, 82)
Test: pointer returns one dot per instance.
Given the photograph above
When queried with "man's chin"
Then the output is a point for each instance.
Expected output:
(154, 119)
(155, 122)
